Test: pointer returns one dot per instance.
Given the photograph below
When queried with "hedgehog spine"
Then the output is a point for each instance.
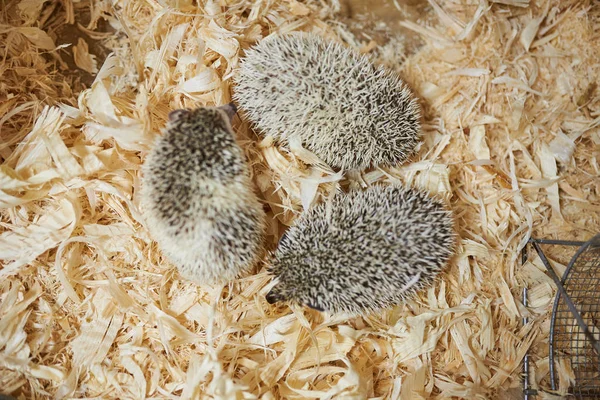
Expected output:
(198, 200)
(340, 106)
(379, 247)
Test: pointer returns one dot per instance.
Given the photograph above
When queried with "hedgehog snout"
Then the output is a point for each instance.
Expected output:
(273, 296)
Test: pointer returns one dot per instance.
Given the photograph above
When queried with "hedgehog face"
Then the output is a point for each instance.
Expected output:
(301, 276)
(281, 293)
(274, 296)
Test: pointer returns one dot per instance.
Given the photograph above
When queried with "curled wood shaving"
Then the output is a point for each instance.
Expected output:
(89, 307)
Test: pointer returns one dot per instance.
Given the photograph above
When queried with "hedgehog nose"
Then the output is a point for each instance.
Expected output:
(272, 297)
(230, 109)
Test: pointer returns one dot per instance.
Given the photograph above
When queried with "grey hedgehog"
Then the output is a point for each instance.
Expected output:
(349, 112)
(377, 247)
(198, 200)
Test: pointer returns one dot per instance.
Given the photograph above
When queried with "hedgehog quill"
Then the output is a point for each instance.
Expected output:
(378, 247)
(334, 101)
(198, 200)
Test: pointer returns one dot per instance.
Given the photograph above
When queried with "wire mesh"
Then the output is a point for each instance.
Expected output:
(575, 324)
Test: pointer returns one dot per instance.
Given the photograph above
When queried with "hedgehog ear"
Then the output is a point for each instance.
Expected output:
(229, 109)
(178, 114)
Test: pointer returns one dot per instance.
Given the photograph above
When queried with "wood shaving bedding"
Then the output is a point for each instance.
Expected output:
(90, 308)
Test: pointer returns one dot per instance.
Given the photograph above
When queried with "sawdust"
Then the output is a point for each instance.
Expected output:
(90, 308)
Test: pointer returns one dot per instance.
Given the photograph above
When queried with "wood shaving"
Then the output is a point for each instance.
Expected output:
(83, 58)
(90, 308)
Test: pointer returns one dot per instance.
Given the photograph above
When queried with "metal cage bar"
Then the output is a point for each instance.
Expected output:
(575, 314)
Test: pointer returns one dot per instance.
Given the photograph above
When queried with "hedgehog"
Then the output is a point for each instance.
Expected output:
(334, 101)
(366, 251)
(198, 200)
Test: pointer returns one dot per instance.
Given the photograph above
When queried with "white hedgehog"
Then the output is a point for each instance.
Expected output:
(198, 200)
(349, 112)
(378, 247)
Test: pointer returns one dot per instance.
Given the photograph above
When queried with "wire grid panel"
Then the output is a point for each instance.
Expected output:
(570, 347)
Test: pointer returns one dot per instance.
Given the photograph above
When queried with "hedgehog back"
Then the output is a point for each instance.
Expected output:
(378, 246)
(346, 110)
(198, 199)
